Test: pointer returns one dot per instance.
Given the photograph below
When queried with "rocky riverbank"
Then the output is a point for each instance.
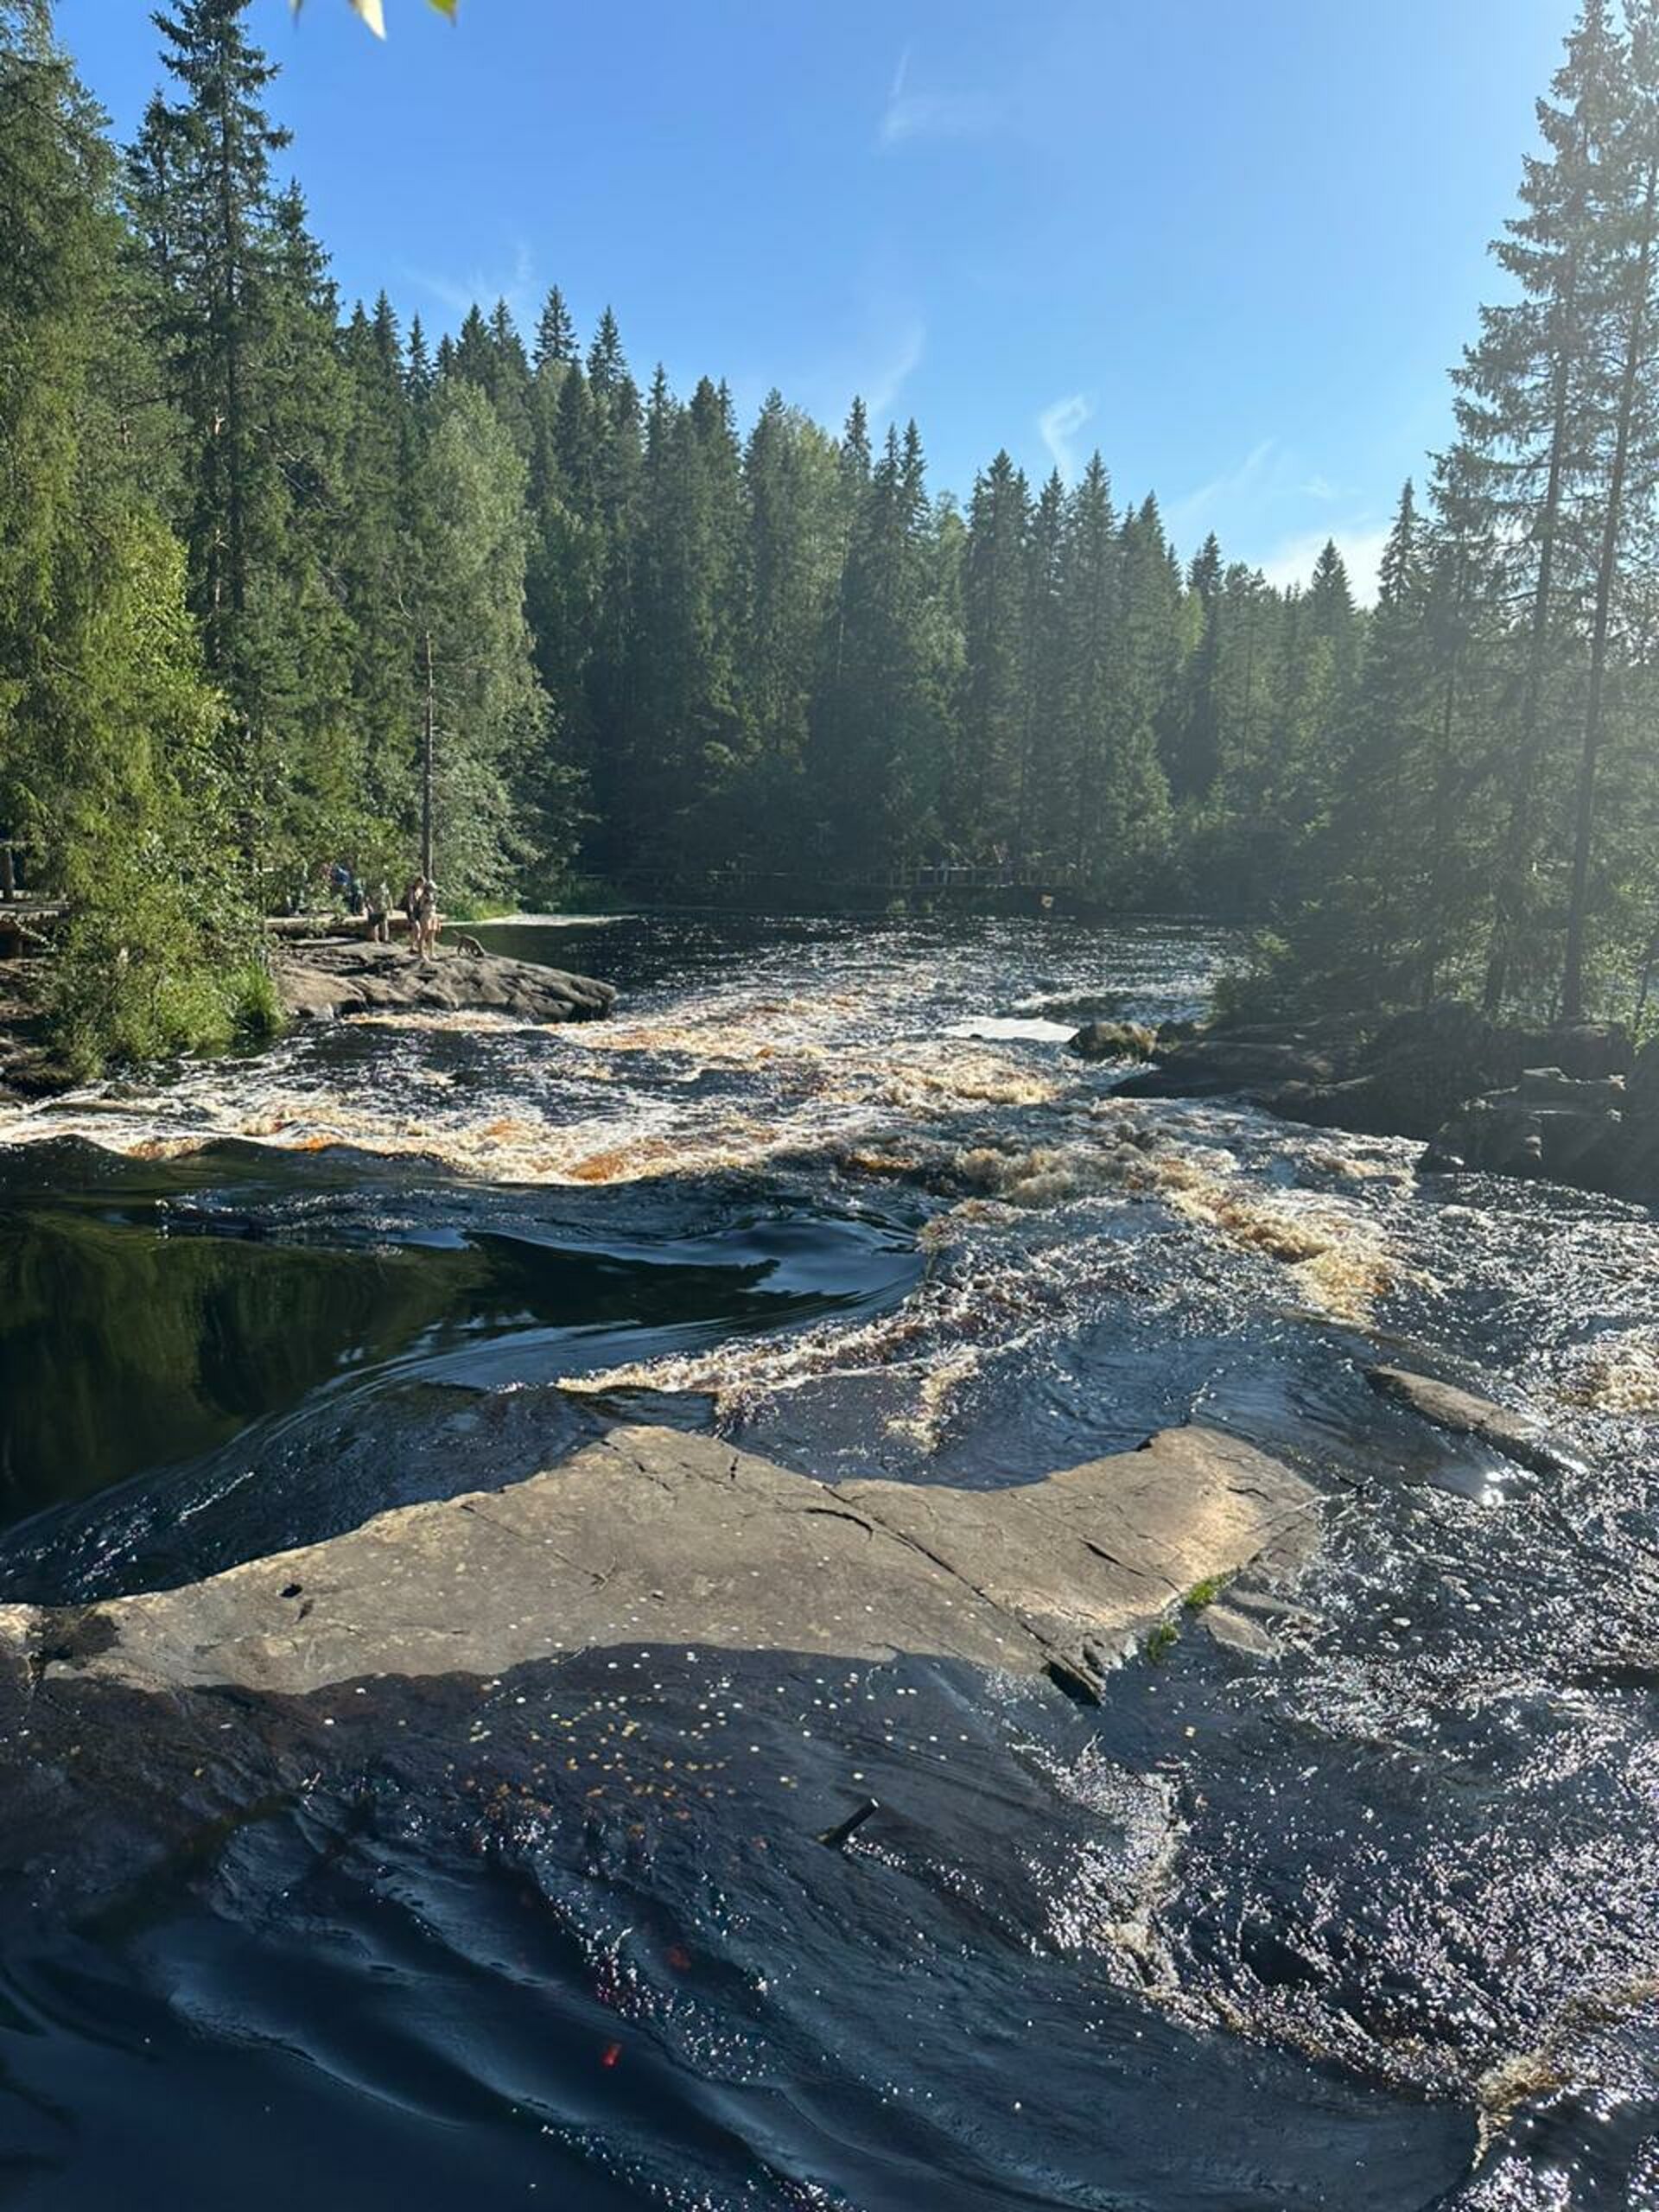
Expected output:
(1577, 1104)
(334, 976)
(28, 1068)
(323, 979)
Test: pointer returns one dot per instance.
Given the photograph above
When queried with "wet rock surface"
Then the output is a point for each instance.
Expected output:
(1340, 1896)
(1110, 1040)
(1576, 1104)
(651, 1535)
(341, 977)
(1463, 1412)
(28, 1068)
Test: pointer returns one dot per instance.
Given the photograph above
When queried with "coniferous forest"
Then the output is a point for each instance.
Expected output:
(250, 533)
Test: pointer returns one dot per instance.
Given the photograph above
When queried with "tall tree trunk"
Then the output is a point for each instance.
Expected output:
(1607, 575)
(230, 244)
(1434, 949)
(428, 748)
(1518, 841)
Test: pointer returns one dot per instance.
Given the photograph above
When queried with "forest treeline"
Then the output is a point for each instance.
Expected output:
(244, 532)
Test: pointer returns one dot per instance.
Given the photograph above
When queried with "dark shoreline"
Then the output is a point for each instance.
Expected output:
(324, 978)
(1576, 1103)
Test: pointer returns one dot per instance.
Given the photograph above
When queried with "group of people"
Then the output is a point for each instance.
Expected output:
(419, 908)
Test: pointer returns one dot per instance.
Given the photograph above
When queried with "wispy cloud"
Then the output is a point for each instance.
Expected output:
(910, 113)
(1247, 476)
(1058, 424)
(484, 287)
(879, 347)
(1360, 544)
(883, 382)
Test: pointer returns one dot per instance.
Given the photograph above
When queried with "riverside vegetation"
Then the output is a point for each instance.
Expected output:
(244, 528)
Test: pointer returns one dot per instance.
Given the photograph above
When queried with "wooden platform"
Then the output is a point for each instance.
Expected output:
(302, 928)
(24, 916)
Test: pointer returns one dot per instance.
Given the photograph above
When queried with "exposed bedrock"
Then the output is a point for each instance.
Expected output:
(652, 1537)
(1115, 1040)
(1461, 1413)
(1578, 1104)
(344, 977)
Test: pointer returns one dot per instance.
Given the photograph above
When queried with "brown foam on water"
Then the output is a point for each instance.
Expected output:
(1003, 1127)
(1340, 1261)
(1617, 1374)
(807, 1090)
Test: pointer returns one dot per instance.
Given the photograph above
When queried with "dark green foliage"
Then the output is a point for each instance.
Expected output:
(244, 542)
(1492, 793)
(112, 764)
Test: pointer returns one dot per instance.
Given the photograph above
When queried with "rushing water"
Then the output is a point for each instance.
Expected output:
(1350, 1897)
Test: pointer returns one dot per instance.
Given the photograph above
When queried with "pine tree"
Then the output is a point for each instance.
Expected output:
(1194, 758)
(204, 207)
(1040, 825)
(376, 579)
(419, 375)
(1627, 461)
(556, 334)
(982, 802)
(878, 721)
(502, 795)
(1522, 395)
(791, 499)
(243, 320)
(110, 766)
(1363, 925)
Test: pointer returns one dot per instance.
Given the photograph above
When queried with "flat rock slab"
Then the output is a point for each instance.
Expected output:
(342, 976)
(652, 1537)
(1462, 1414)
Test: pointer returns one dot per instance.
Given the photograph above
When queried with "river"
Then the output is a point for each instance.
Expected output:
(1355, 1907)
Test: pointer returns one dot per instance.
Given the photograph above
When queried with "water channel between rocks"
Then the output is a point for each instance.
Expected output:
(1346, 1894)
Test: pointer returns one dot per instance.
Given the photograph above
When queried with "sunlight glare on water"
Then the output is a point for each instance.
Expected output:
(1345, 1899)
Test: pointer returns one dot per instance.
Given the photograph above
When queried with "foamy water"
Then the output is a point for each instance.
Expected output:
(1354, 1910)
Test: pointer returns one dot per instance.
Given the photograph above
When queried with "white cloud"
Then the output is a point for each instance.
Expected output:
(910, 114)
(1059, 423)
(483, 288)
(1193, 507)
(1359, 544)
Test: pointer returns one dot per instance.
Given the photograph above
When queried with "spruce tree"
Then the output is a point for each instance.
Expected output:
(502, 795)
(1627, 459)
(111, 770)
(982, 801)
(1523, 393)
(1041, 826)
(556, 334)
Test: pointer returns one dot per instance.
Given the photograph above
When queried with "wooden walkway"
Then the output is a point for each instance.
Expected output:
(24, 917)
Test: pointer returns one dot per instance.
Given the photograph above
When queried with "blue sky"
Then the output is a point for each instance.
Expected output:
(1234, 243)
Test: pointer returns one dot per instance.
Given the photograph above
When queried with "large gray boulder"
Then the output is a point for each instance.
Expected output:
(650, 1536)
(1572, 1130)
(1462, 1412)
(1217, 1065)
(342, 976)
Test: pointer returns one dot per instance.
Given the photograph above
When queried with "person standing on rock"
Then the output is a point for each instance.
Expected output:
(380, 913)
(421, 904)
